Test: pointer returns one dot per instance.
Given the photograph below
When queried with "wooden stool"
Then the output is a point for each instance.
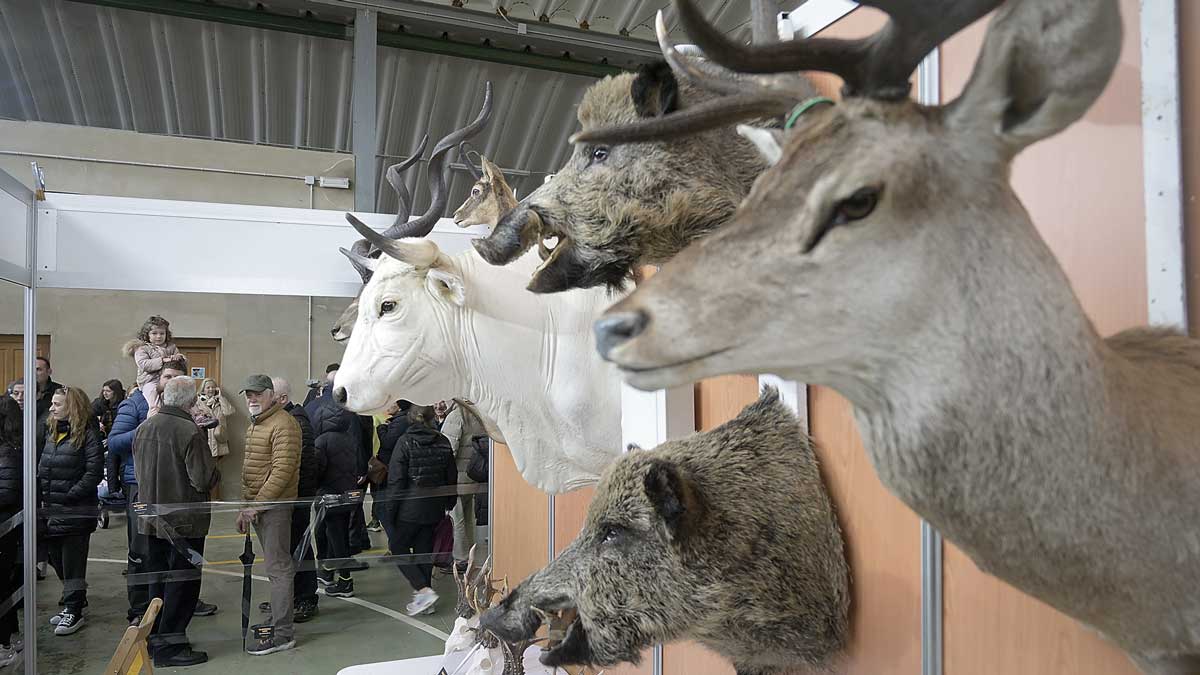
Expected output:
(131, 657)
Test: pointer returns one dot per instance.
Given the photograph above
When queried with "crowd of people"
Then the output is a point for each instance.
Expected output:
(304, 473)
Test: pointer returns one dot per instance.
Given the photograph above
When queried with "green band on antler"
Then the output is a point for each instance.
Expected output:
(804, 107)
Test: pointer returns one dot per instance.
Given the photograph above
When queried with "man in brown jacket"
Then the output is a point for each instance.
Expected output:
(271, 474)
(175, 472)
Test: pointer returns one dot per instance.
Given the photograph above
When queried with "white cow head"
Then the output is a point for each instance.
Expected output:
(402, 345)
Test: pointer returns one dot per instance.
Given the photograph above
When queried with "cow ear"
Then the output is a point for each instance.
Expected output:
(655, 91)
(446, 284)
(673, 497)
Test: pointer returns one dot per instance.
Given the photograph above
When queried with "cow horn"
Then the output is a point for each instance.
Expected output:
(364, 265)
(420, 254)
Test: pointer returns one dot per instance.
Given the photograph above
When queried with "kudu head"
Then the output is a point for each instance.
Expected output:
(880, 219)
(490, 197)
(361, 253)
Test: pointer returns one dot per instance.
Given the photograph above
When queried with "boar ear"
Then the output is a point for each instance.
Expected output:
(673, 497)
(655, 91)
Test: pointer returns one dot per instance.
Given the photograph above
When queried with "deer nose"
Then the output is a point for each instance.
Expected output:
(616, 329)
(339, 395)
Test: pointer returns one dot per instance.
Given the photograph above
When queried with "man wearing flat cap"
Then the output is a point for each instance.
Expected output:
(270, 477)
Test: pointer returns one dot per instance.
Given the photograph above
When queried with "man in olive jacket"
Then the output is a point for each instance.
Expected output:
(176, 471)
(271, 477)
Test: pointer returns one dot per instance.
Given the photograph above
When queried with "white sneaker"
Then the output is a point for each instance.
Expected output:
(69, 624)
(422, 603)
(58, 617)
(8, 656)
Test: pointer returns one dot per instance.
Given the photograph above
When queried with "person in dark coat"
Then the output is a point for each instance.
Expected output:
(421, 460)
(130, 415)
(175, 467)
(359, 538)
(69, 472)
(388, 433)
(46, 387)
(304, 584)
(337, 472)
(104, 408)
(11, 495)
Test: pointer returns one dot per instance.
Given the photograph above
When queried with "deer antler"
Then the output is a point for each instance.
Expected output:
(876, 67)
(439, 174)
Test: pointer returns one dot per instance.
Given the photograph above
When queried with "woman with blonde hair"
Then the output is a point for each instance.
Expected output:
(212, 404)
(68, 474)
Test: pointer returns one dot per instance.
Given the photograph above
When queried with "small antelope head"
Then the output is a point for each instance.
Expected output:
(490, 198)
(881, 221)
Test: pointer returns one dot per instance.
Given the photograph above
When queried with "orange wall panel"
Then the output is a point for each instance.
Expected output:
(520, 518)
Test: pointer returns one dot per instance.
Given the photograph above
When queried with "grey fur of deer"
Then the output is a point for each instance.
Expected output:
(887, 256)
(727, 537)
(615, 209)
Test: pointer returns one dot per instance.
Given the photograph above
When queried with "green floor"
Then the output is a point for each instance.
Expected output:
(368, 628)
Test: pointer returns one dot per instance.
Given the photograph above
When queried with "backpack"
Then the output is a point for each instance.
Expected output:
(477, 469)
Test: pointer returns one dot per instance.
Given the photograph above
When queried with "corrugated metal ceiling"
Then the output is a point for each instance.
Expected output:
(73, 63)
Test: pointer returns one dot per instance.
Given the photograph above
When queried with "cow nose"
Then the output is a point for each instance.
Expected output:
(616, 329)
(339, 395)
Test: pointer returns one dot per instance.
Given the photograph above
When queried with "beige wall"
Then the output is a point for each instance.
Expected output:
(157, 183)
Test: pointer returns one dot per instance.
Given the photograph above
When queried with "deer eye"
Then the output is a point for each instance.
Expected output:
(386, 307)
(857, 206)
(599, 154)
(475, 192)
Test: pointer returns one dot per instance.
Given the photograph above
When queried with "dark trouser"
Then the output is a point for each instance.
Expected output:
(10, 579)
(137, 586)
(68, 556)
(378, 491)
(305, 582)
(403, 536)
(335, 532)
(179, 594)
(360, 540)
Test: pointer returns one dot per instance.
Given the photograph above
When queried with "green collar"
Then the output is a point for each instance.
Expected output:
(805, 106)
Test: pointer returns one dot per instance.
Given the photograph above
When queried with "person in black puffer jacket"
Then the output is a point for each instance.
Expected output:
(337, 474)
(389, 433)
(422, 459)
(11, 494)
(304, 583)
(68, 474)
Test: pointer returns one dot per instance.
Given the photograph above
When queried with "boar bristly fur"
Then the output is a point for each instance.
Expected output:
(726, 537)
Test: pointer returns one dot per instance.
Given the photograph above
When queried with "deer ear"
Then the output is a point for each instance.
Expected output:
(1040, 69)
(768, 141)
(446, 283)
(490, 171)
(672, 496)
(655, 91)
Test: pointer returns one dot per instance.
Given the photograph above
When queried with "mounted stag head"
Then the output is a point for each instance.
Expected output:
(886, 255)
(490, 197)
(432, 327)
(610, 209)
(438, 173)
(696, 539)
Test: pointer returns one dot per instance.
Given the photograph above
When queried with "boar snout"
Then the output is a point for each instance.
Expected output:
(513, 235)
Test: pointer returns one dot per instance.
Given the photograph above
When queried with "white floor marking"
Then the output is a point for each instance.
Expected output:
(354, 601)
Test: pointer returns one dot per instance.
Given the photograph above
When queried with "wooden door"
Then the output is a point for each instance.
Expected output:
(203, 357)
(12, 355)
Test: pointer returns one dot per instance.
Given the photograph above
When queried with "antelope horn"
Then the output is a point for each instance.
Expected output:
(419, 254)
(439, 174)
(876, 67)
(464, 152)
(393, 178)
